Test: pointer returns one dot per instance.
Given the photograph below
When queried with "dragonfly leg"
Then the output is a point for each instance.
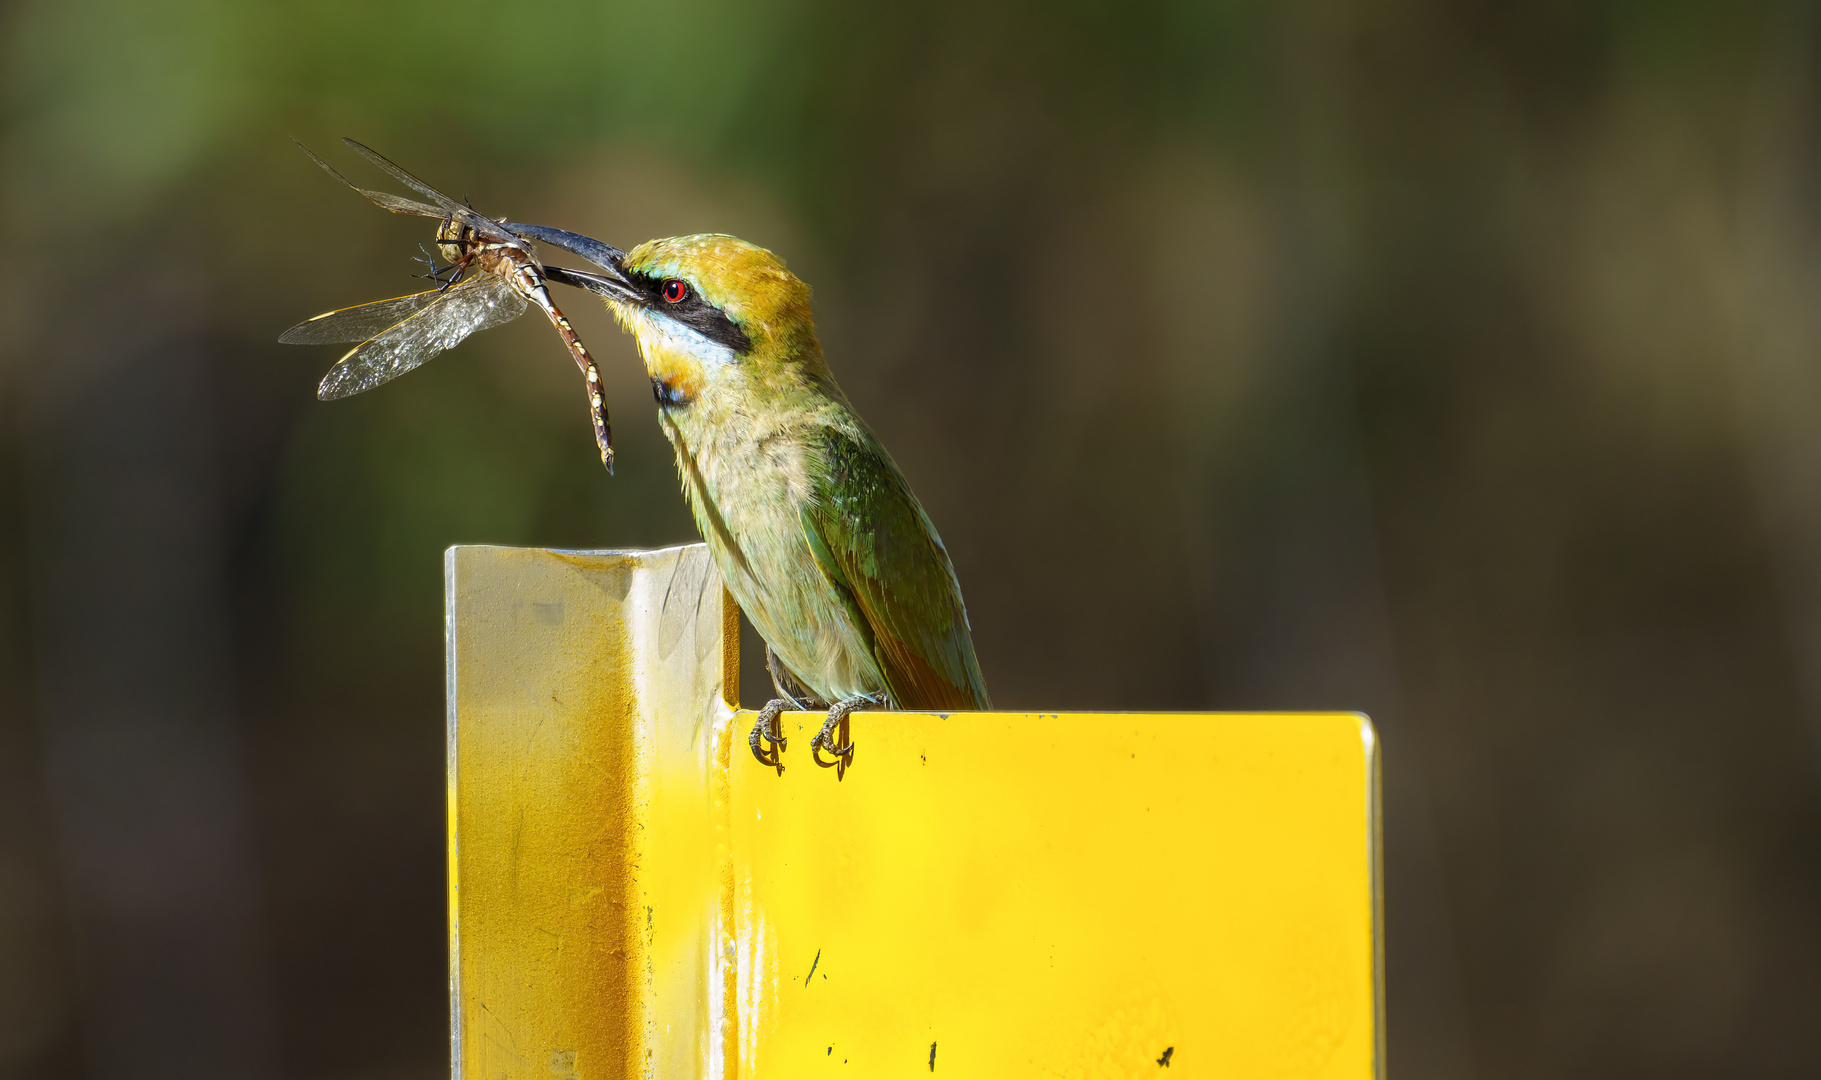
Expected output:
(436, 274)
(429, 260)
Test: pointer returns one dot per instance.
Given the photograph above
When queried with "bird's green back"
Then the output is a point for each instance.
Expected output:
(876, 545)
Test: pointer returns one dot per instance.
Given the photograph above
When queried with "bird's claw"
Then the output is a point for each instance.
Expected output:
(768, 729)
(837, 722)
(825, 739)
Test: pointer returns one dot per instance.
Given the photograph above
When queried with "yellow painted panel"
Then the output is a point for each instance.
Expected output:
(631, 895)
(1061, 895)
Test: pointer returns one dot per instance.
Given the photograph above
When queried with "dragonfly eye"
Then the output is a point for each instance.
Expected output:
(675, 291)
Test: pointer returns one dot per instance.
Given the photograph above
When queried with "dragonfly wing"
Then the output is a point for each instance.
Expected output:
(443, 324)
(478, 221)
(449, 206)
(360, 322)
(396, 204)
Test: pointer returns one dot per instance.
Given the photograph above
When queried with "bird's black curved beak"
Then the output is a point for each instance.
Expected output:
(612, 284)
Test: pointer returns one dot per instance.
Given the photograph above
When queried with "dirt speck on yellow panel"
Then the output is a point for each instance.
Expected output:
(1127, 1042)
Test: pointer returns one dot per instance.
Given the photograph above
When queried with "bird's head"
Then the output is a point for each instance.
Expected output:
(710, 312)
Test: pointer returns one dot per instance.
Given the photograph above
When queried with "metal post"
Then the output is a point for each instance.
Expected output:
(984, 895)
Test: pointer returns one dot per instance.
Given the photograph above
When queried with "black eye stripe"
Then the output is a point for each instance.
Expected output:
(692, 311)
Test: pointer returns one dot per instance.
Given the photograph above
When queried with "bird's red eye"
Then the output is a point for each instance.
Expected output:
(675, 291)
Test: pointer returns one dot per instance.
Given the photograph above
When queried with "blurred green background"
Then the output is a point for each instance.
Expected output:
(1456, 362)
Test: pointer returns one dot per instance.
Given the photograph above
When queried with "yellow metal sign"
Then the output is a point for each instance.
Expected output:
(980, 895)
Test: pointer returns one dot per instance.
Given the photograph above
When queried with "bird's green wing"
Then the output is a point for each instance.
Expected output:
(874, 542)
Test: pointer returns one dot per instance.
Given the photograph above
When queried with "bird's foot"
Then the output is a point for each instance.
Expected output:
(768, 729)
(827, 738)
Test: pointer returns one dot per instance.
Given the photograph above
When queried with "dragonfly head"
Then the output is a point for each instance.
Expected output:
(455, 241)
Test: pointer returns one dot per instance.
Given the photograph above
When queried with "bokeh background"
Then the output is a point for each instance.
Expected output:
(1456, 362)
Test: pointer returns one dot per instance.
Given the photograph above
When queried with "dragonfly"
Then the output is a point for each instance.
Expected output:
(492, 276)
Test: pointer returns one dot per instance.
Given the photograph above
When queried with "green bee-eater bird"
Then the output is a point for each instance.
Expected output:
(812, 526)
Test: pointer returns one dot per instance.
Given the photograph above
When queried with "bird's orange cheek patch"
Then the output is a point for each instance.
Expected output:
(680, 373)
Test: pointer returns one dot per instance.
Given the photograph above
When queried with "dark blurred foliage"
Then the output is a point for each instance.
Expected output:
(1456, 362)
